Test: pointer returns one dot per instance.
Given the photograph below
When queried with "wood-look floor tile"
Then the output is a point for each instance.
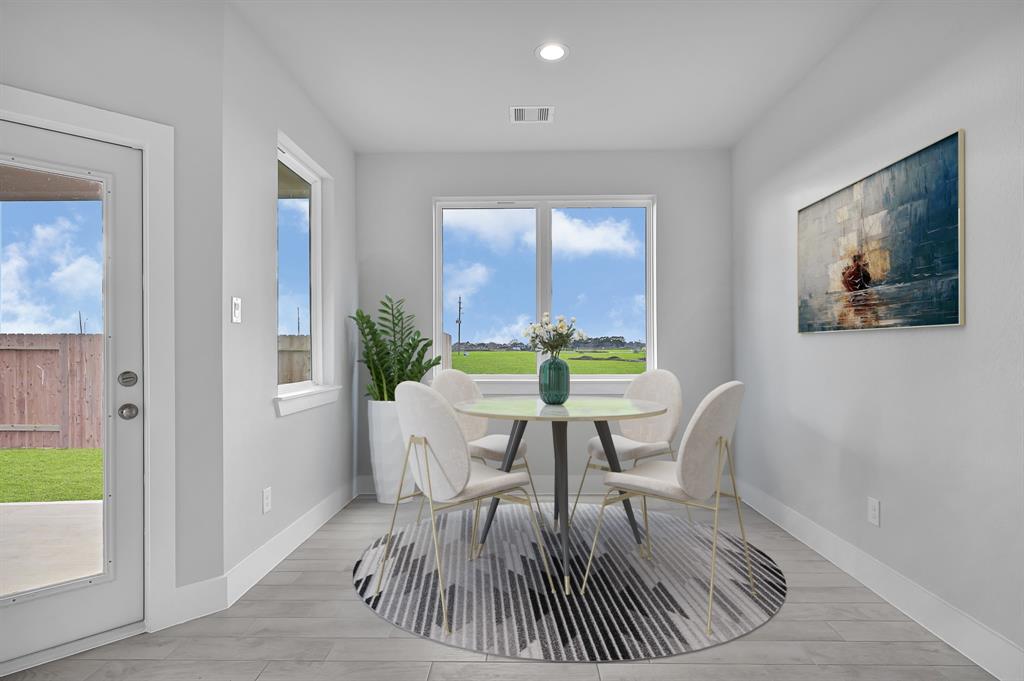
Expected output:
(179, 670)
(412, 649)
(831, 594)
(252, 648)
(281, 608)
(211, 625)
(885, 653)
(346, 671)
(882, 612)
(357, 624)
(141, 647)
(793, 630)
(745, 651)
(882, 631)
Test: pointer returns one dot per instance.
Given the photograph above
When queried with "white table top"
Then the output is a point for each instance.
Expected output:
(586, 408)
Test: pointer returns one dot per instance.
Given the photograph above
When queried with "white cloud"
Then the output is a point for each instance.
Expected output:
(513, 331)
(80, 278)
(581, 298)
(21, 313)
(500, 229)
(464, 280)
(573, 237)
(639, 303)
(300, 208)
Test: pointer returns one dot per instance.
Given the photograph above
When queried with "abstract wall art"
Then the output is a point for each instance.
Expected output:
(886, 251)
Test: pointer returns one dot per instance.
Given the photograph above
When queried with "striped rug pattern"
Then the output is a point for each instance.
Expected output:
(634, 609)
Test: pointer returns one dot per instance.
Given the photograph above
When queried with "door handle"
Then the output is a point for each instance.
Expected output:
(128, 411)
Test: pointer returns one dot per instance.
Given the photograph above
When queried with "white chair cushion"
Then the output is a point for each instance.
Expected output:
(625, 448)
(485, 481)
(492, 447)
(650, 477)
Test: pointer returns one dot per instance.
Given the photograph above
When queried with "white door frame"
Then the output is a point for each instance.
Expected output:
(156, 141)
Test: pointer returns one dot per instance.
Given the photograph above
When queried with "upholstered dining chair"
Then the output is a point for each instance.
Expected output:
(457, 386)
(437, 457)
(693, 479)
(640, 438)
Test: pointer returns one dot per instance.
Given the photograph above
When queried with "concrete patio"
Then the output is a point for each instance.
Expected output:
(45, 543)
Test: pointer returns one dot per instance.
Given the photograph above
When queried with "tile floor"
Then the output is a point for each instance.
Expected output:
(303, 622)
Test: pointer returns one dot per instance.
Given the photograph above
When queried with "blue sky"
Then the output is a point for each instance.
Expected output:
(598, 270)
(292, 266)
(51, 266)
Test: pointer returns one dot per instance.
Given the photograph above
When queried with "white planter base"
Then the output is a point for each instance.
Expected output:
(387, 451)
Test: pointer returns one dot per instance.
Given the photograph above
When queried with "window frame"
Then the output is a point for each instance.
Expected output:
(320, 389)
(519, 384)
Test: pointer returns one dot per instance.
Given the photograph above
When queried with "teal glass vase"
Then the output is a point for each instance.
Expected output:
(554, 380)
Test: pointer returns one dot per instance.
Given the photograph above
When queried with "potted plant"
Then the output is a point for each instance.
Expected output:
(552, 339)
(393, 351)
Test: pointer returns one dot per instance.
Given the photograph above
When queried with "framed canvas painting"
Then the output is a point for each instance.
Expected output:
(886, 251)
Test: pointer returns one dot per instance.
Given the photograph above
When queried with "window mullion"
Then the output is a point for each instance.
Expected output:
(543, 213)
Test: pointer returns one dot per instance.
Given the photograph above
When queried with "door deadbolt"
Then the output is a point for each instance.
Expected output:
(127, 378)
(128, 411)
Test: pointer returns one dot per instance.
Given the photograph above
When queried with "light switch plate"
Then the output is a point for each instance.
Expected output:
(874, 512)
(266, 500)
(236, 310)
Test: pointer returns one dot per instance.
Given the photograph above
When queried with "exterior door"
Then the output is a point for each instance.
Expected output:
(71, 411)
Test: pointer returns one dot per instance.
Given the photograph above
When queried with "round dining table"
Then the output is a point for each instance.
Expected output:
(523, 409)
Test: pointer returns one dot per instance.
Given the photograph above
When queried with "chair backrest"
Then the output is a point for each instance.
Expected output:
(423, 412)
(661, 386)
(456, 387)
(698, 463)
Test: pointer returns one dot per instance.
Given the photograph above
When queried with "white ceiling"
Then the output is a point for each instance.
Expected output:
(440, 76)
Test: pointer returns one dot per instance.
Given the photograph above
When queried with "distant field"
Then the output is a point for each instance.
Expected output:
(520, 362)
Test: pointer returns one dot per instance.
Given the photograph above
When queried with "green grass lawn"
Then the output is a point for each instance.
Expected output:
(50, 474)
(524, 362)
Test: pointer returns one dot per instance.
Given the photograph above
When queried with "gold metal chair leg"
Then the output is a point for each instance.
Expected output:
(540, 542)
(579, 491)
(689, 516)
(437, 547)
(647, 528)
(419, 513)
(714, 535)
(394, 514)
(593, 546)
(472, 532)
(536, 499)
(739, 515)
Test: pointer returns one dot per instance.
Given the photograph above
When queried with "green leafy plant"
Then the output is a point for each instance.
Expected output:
(393, 349)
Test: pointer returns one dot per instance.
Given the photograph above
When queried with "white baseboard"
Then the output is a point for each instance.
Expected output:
(989, 649)
(254, 567)
(217, 593)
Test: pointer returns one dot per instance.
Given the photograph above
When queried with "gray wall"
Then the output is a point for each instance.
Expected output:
(926, 420)
(394, 222)
(304, 457)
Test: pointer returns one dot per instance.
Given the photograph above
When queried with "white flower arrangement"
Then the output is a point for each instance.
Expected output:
(553, 337)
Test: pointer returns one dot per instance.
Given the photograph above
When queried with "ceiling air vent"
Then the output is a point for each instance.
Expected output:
(531, 114)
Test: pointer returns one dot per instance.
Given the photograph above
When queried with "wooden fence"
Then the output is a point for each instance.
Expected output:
(294, 359)
(51, 390)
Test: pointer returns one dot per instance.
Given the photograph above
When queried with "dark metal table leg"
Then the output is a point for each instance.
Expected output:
(518, 428)
(559, 436)
(608, 446)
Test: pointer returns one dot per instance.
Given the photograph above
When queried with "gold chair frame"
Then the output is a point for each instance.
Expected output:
(724, 452)
(417, 443)
(606, 469)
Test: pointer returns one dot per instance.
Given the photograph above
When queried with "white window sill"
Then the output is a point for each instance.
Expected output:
(527, 385)
(297, 397)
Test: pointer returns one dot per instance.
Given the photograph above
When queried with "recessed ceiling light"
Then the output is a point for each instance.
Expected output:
(551, 52)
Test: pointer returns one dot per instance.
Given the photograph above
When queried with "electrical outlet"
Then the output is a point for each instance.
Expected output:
(874, 512)
(266, 500)
(236, 310)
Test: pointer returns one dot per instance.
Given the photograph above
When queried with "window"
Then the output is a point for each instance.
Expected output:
(294, 288)
(502, 263)
(304, 371)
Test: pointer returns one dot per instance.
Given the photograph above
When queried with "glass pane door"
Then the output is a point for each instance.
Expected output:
(52, 482)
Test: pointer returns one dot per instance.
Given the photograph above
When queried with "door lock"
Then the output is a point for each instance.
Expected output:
(127, 378)
(128, 411)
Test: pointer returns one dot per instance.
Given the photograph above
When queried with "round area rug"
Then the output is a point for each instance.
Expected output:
(634, 609)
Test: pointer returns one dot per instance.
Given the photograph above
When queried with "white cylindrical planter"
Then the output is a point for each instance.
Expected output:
(387, 451)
